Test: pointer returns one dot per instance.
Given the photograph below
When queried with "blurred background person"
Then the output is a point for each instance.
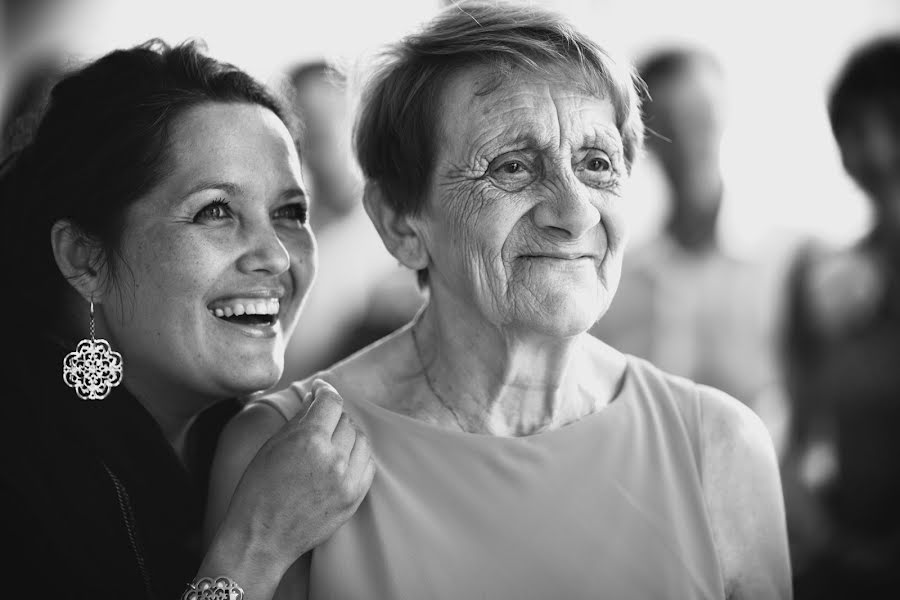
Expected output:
(31, 58)
(842, 358)
(361, 292)
(26, 97)
(685, 302)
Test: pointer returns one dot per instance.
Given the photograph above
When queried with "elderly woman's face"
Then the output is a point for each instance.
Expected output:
(217, 258)
(522, 223)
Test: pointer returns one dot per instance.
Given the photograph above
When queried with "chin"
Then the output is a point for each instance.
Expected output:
(245, 382)
(566, 317)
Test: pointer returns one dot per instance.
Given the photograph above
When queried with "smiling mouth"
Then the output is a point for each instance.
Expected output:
(258, 313)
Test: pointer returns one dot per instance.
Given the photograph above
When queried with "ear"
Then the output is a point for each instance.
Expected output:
(399, 232)
(77, 258)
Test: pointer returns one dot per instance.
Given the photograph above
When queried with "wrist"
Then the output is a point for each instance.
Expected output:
(253, 565)
(213, 588)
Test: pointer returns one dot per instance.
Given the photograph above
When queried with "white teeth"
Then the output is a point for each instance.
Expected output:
(259, 307)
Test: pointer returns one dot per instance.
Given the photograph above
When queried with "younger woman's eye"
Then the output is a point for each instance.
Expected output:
(215, 210)
(295, 212)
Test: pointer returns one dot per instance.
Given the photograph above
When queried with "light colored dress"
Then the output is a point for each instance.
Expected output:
(610, 506)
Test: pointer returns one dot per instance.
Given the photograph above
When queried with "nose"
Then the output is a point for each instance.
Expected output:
(265, 252)
(567, 210)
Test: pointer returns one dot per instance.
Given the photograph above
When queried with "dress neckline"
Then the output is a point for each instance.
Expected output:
(614, 406)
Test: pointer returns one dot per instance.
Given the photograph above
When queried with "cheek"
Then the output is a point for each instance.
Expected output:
(304, 260)
(614, 222)
(171, 267)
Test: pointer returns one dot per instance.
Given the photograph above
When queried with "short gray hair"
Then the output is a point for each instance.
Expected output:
(397, 125)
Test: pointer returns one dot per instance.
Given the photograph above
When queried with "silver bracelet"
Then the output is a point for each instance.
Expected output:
(213, 588)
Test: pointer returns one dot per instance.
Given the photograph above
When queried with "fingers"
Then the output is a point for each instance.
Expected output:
(359, 455)
(344, 435)
(326, 408)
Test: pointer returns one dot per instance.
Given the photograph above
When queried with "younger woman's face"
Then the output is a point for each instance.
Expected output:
(215, 261)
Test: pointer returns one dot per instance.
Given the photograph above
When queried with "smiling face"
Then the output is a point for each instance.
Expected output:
(522, 222)
(217, 259)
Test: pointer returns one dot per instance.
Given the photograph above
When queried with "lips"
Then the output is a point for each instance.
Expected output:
(561, 256)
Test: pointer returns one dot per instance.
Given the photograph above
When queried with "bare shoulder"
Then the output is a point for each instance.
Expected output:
(377, 373)
(742, 486)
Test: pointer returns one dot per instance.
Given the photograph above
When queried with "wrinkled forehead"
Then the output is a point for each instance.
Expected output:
(481, 97)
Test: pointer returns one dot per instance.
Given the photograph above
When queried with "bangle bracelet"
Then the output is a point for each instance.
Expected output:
(218, 588)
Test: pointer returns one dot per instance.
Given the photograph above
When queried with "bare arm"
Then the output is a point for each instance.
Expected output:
(278, 489)
(742, 487)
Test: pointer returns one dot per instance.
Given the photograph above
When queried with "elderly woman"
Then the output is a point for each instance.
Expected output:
(518, 456)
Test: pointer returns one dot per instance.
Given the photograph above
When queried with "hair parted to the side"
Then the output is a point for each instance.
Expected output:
(869, 79)
(395, 132)
(100, 145)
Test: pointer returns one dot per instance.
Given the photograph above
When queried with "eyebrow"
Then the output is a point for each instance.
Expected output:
(233, 189)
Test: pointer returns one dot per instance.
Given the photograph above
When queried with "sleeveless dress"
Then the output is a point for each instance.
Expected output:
(610, 506)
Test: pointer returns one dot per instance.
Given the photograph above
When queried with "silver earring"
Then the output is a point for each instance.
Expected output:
(93, 369)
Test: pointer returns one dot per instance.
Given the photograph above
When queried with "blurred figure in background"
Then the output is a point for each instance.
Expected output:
(26, 97)
(361, 292)
(30, 61)
(684, 303)
(842, 358)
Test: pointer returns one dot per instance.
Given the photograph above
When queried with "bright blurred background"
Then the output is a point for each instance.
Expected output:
(779, 159)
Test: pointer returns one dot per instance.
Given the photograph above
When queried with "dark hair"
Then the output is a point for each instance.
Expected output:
(26, 100)
(102, 144)
(870, 78)
(299, 74)
(302, 74)
(669, 62)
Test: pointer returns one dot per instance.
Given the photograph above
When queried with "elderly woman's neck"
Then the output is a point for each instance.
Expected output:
(501, 382)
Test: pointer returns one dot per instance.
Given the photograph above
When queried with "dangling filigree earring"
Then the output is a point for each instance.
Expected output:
(93, 369)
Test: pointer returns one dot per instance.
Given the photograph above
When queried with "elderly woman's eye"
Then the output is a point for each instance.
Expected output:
(218, 209)
(511, 174)
(597, 168)
(599, 164)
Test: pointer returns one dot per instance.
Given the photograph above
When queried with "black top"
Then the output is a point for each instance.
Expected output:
(94, 502)
(844, 384)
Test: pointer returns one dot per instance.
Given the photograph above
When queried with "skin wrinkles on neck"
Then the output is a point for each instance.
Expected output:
(495, 381)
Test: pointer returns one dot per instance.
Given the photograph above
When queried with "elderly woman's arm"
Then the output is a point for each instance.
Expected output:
(742, 486)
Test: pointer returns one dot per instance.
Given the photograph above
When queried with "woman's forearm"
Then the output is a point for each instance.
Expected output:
(253, 565)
